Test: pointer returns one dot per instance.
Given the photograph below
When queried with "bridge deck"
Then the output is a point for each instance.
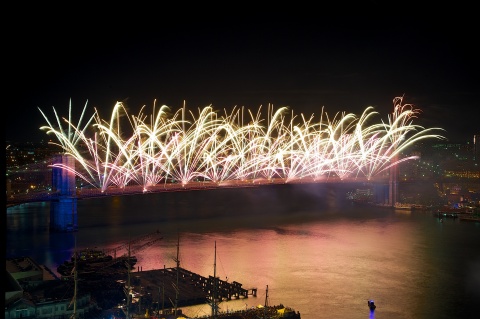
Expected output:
(173, 187)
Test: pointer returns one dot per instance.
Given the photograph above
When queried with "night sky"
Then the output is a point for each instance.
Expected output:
(343, 65)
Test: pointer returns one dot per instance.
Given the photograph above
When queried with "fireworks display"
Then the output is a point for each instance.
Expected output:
(185, 147)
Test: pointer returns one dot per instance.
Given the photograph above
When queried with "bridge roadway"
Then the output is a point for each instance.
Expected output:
(176, 187)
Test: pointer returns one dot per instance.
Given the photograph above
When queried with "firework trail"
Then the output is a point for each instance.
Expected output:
(185, 147)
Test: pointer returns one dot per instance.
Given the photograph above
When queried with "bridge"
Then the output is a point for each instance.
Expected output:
(86, 193)
(63, 193)
(184, 151)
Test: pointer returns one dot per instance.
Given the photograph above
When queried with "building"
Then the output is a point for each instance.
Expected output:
(33, 291)
(476, 148)
(27, 167)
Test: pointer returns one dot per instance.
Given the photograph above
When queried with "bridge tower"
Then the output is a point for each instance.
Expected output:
(385, 192)
(63, 212)
(393, 185)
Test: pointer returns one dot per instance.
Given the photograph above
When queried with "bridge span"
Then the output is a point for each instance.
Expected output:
(86, 193)
(63, 206)
(63, 199)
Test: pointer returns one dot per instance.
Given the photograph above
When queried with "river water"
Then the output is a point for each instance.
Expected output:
(316, 252)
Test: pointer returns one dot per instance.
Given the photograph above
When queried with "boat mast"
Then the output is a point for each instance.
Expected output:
(266, 297)
(75, 278)
(128, 282)
(214, 294)
(177, 260)
(266, 304)
(163, 290)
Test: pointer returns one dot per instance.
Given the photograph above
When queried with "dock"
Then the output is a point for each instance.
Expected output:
(156, 288)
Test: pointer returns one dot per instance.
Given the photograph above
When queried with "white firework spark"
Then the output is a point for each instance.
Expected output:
(185, 147)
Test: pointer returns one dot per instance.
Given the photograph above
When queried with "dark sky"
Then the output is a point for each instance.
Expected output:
(343, 65)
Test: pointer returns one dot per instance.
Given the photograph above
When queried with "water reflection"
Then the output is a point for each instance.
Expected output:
(323, 261)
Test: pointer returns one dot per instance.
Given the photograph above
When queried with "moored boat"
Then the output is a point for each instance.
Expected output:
(91, 255)
(403, 206)
(444, 214)
(259, 312)
(90, 261)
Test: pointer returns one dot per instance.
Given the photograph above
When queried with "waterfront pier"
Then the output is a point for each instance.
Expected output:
(193, 288)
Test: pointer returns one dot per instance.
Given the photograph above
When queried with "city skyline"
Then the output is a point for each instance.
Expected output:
(306, 65)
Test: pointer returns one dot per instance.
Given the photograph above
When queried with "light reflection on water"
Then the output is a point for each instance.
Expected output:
(324, 260)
